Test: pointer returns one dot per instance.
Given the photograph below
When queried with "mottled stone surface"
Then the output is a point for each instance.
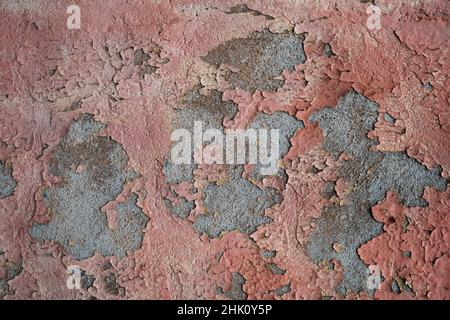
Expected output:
(357, 209)
(7, 182)
(259, 58)
(368, 175)
(93, 169)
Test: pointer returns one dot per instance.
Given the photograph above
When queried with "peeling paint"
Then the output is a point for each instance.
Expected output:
(94, 171)
(363, 173)
(259, 58)
(7, 182)
(369, 176)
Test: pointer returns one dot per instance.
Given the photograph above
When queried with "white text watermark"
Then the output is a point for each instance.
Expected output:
(233, 146)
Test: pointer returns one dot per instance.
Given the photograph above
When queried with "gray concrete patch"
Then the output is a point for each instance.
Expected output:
(7, 182)
(390, 119)
(328, 191)
(369, 175)
(12, 269)
(140, 57)
(112, 287)
(236, 205)
(236, 291)
(243, 8)
(267, 254)
(177, 173)
(275, 269)
(283, 290)
(87, 280)
(327, 50)
(246, 212)
(345, 126)
(181, 209)
(260, 58)
(287, 126)
(94, 170)
(211, 111)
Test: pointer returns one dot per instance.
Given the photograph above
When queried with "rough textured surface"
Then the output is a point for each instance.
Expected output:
(8, 271)
(259, 58)
(368, 176)
(246, 212)
(86, 117)
(243, 213)
(93, 171)
(7, 182)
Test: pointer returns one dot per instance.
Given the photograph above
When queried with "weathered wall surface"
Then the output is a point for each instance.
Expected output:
(86, 117)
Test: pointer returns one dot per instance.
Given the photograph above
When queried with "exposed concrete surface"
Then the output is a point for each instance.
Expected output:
(7, 182)
(369, 176)
(357, 209)
(93, 169)
(259, 59)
